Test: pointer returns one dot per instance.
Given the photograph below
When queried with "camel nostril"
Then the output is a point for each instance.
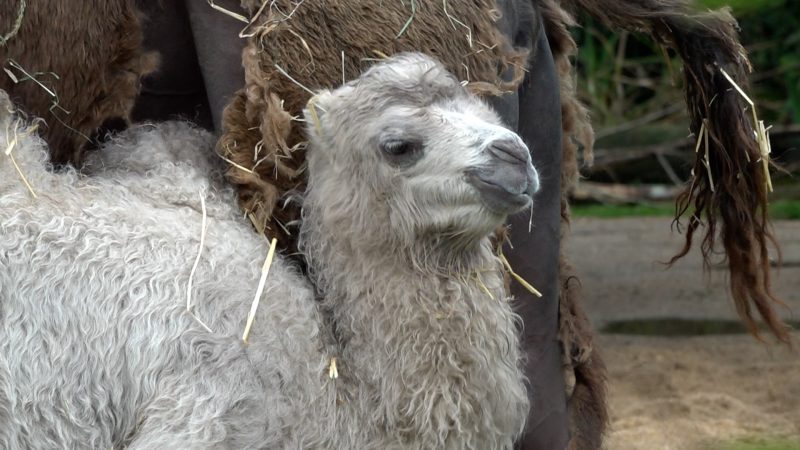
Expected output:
(509, 150)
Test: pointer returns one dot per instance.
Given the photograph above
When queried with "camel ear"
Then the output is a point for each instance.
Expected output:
(315, 112)
(320, 104)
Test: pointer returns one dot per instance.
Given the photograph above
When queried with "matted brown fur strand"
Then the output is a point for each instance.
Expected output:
(584, 370)
(88, 53)
(735, 213)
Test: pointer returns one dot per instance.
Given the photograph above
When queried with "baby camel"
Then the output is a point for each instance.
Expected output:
(408, 177)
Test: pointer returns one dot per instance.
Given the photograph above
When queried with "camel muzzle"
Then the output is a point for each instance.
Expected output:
(507, 182)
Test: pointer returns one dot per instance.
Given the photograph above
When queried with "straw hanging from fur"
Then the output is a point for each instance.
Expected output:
(482, 285)
(260, 289)
(333, 372)
(519, 279)
(29, 76)
(246, 31)
(700, 136)
(410, 19)
(343, 77)
(312, 109)
(707, 159)
(238, 166)
(228, 13)
(203, 225)
(454, 21)
(8, 152)
(284, 73)
(51, 92)
(762, 137)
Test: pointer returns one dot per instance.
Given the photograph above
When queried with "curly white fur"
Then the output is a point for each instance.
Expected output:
(97, 349)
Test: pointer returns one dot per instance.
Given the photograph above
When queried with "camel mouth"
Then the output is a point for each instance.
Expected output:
(506, 180)
(504, 195)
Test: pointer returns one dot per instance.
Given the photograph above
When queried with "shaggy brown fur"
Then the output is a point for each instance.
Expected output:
(731, 207)
(260, 134)
(584, 370)
(88, 53)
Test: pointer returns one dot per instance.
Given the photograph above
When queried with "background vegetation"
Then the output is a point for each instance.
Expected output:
(633, 88)
(626, 77)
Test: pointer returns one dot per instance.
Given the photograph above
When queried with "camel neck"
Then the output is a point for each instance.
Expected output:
(424, 342)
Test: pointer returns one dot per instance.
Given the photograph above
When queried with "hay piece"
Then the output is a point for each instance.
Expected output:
(28, 76)
(264, 272)
(10, 148)
(22, 176)
(333, 372)
(454, 21)
(238, 166)
(482, 285)
(203, 225)
(766, 150)
(529, 287)
(762, 137)
(410, 19)
(700, 137)
(739, 89)
(707, 159)
(312, 109)
(228, 12)
(284, 73)
(55, 102)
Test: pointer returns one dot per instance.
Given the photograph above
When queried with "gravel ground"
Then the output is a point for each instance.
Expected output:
(684, 392)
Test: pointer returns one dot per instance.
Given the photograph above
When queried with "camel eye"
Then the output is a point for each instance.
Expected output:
(401, 149)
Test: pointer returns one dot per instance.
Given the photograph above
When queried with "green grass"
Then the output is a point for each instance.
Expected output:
(779, 210)
(760, 444)
(785, 209)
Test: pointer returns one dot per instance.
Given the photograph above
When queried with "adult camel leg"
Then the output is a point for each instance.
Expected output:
(176, 89)
(219, 51)
(535, 256)
(535, 110)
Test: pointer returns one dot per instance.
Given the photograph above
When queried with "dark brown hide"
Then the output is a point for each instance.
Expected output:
(260, 134)
(731, 205)
(577, 128)
(88, 53)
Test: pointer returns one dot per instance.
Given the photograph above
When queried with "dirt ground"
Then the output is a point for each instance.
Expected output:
(685, 392)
